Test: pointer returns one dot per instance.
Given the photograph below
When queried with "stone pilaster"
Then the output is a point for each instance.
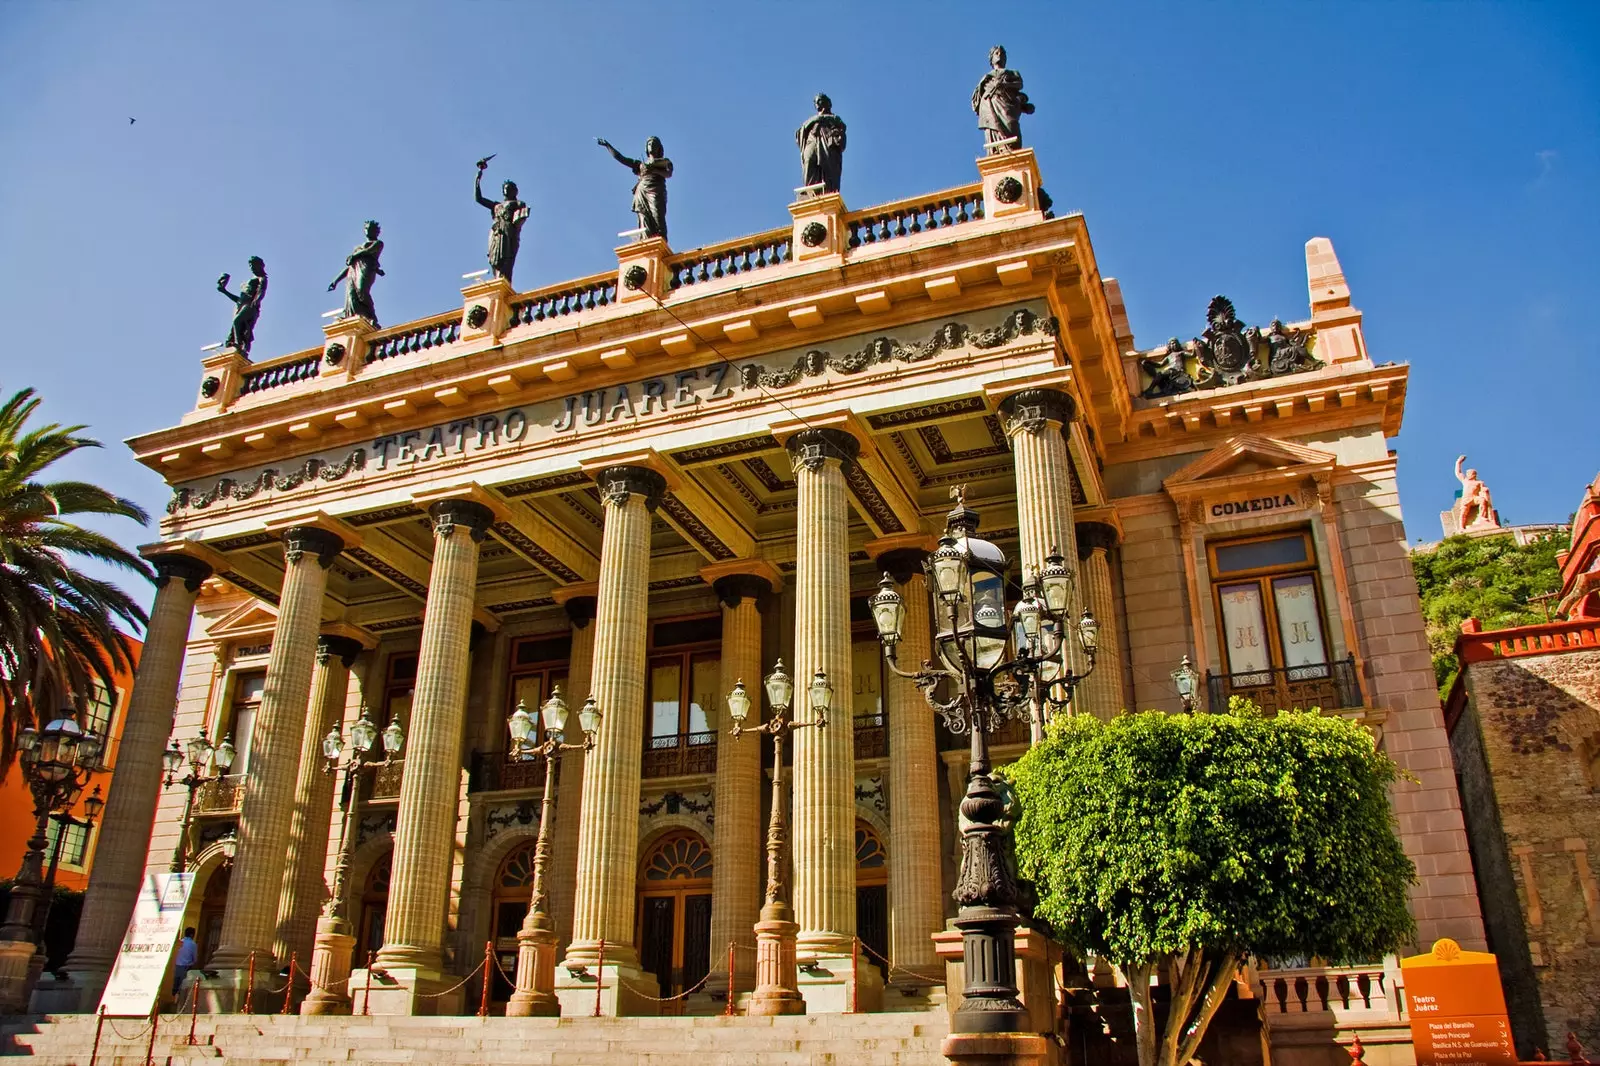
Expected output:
(249, 925)
(608, 833)
(124, 837)
(304, 890)
(823, 854)
(1101, 695)
(1036, 421)
(579, 603)
(916, 904)
(736, 867)
(424, 836)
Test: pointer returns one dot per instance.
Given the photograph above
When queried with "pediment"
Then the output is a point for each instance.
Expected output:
(251, 619)
(1248, 457)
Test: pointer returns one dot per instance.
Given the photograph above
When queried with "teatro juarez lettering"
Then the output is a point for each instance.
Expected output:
(1254, 503)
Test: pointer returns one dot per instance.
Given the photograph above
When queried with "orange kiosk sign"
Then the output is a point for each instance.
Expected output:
(1456, 1008)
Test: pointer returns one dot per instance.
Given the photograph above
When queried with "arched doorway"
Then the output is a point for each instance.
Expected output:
(213, 905)
(674, 924)
(513, 888)
(374, 905)
(872, 890)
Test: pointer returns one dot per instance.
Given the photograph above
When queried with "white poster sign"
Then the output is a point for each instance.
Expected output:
(141, 965)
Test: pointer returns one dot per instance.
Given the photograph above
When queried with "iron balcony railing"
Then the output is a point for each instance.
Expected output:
(1329, 686)
(221, 795)
(495, 771)
(679, 753)
(872, 736)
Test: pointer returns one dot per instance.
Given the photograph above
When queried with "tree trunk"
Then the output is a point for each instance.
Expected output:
(1199, 983)
(1137, 978)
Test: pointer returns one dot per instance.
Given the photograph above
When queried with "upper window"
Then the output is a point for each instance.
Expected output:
(1269, 609)
(247, 689)
(74, 842)
(101, 713)
(685, 675)
(539, 665)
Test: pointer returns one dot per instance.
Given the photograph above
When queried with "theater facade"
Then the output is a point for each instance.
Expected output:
(649, 484)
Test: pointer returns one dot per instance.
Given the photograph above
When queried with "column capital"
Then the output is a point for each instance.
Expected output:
(735, 579)
(450, 513)
(811, 448)
(617, 483)
(314, 531)
(1096, 535)
(1031, 410)
(189, 560)
(333, 646)
(578, 600)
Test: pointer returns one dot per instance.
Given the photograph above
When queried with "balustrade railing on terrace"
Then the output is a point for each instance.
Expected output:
(872, 736)
(729, 258)
(302, 366)
(906, 217)
(435, 332)
(496, 771)
(1330, 686)
(220, 796)
(568, 298)
(679, 753)
(1352, 993)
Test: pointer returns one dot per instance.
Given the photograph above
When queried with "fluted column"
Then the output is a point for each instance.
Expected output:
(563, 879)
(1101, 695)
(736, 867)
(424, 835)
(304, 889)
(124, 837)
(608, 833)
(824, 819)
(916, 904)
(250, 922)
(1036, 421)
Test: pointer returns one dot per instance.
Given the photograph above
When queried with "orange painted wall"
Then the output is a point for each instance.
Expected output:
(16, 804)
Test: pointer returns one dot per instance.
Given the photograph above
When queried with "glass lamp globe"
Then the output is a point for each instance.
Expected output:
(172, 758)
(225, 753)
(888, 611)
(89, 749)
(522, 728)
(363, 733)
(392, 738)
(739, 703)
(1088, 632)
(821, 693)
(1025, 620)
(554, 713)
(589, 717)
(93, 805)
(198, 750)
(28, 740)
(1184, 678)
(949, 566)
(780, 687)
(332, 745)
(1056, 580)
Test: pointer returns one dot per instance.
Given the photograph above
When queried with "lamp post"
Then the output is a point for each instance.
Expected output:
(777, 979)
(63, 818)
(966, 587)
(1186, 678)
(57, 762)
(330, 950)
(535, 993)
(206, 764)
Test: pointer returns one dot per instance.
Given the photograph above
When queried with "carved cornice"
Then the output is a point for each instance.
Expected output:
(541, 558)
(345, 649)
(297, 540)
(191, 571)
(617, 483)
(697, 530)
(1092, 535)
(1031, 410)
(448, 514)
(809, 449)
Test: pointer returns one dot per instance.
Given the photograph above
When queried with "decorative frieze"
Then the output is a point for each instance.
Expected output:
(1227, 353)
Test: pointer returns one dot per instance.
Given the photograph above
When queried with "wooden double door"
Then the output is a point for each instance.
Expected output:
(674, 915)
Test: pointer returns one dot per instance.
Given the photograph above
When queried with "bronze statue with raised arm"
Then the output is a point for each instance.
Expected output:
(505, 231)
(650, 191)
(247, 305)
(361, 269)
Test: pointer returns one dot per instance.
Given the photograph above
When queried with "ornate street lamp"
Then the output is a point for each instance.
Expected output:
(777, 978)
(206, 764)
(535, 993)
(57, 762)
(966, 589)
(1186, 678)
(331, 949)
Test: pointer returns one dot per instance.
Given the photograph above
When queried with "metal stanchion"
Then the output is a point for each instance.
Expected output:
(150, 1048)
(288, 989)
(100, 1021)
(729, 1010)
(488, 961)
(599, 977)
(250, 986)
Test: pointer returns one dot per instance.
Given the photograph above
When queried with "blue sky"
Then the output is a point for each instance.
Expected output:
(1451, 151)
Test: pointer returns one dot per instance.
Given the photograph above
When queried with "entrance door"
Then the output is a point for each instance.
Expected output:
(872, 892)
(513, 889)
(674, 933)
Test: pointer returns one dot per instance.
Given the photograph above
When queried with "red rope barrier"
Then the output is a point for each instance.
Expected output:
(729, 1011)
(100, 1021)
(288, 989)
(855, 973)
(150, 1048)
(488, 957)
(599, 977)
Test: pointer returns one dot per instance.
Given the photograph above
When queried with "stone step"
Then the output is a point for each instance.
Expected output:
(899, 1039)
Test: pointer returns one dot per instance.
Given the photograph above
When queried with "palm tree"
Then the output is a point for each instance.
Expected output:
(59, 638)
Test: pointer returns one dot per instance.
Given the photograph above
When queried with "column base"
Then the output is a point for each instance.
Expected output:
(17, 974)
(624, 990)
(88, 984)
(995, 1049)
(839, 983)
(535, 996)
(227, 992)
(55, 995)
(777, 975)
(330, 969)
(405, 990)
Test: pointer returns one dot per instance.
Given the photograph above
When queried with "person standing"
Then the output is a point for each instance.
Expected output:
(188, 955)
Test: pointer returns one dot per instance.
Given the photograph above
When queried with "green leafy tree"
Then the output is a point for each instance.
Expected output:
(1181, 845)
(1492, 579)
(59, 633)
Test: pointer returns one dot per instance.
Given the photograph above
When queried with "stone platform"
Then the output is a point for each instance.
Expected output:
(902, 1039)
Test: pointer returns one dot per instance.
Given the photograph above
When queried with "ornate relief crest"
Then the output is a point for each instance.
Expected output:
(1225, 352)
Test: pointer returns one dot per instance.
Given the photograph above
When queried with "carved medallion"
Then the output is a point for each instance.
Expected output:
(813, 234)
(334, 355)
(634, 277)
(209, 387)
(477, 315)
(1008, 190)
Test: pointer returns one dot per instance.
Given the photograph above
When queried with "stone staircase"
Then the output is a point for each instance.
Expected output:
(902, 1039)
